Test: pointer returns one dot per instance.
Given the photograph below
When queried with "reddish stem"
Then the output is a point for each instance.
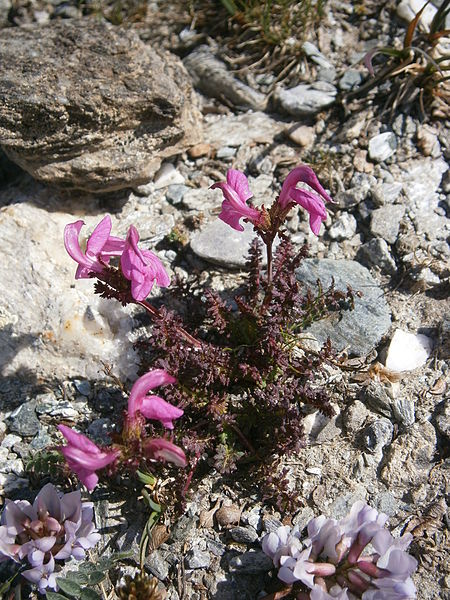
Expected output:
(154, 312)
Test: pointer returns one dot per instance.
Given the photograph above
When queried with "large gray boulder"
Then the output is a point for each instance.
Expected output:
(84, 105)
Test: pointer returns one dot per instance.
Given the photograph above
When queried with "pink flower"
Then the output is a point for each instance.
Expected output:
(84, 457)
(100, 247)
(161, 449)
(236, 193)
(312, 203)
(152, 407)
(141, 267)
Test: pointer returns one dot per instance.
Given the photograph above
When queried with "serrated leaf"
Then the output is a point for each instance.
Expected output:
(69, 587)
(96, 577)
(55, 596)
(89, 594)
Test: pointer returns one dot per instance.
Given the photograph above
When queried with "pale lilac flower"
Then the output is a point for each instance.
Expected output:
(309, 201)
(359, 527)
(100, 247)
(163, 450)
(84, 457)
(283, 541)
(54, 527)
(236, 193)
(297, 568)
(325, 534)
(141, 267)
(390, 589)
(383, 573)
(152, 407)
(335, 593)
(393, 559)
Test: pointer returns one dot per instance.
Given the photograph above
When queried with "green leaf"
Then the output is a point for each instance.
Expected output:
(69, 587)
(146, 478)
(87, 567)
(77, 577)
(55, 596)
(97, 576)
(89, 594)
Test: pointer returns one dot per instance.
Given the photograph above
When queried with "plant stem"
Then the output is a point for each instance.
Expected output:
(269, 261)
(154, 312)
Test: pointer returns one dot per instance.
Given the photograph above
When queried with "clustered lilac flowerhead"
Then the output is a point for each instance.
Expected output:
(55, 527)
(141, 267)
(335, 563)
(85, 458)
(236, 192)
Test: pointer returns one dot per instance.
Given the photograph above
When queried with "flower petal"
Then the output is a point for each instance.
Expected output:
(98, 237)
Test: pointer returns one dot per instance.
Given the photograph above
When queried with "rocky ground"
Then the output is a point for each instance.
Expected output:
(156, 146)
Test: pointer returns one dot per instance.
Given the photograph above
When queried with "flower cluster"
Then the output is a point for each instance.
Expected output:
(236, 192)
(335, 563)
(141, 267)
(85, 458)
(55, 527)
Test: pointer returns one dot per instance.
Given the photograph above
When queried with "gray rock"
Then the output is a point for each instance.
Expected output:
(375, 395)
(351, 197)
(157, 564)
(316, 55)
(305, 99)
(99, 431)
(443, 419)
(271, 524)
(410, 457)
(211, 76)
(175, 193)
(183, 528)
(378, 434)
(96, 109)
(385, 222)
(361, 329)
(421, 180)
(196, 559)
(251, 562)
(386, 503)
(218, 243)
(344, 228)
(216, 547)
(84, 387)
(391, 191)
(226, 152)
(239, 130)
(351, 79)
(244, 535)
(376, 254)
(355, 416)
(382, 146)
(403, 409)
(23, 420)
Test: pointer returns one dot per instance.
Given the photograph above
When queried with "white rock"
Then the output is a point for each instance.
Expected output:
(167, 175)
(407, 10)
(51, 324)
(408, 351)
(382, 146)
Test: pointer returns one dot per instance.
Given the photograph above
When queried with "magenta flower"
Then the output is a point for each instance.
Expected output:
(84, 457)
(162, 449)
(100, 247)
(55, 527)
(236, 192)
(141, 267)
(152, 407)
(309, 201)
